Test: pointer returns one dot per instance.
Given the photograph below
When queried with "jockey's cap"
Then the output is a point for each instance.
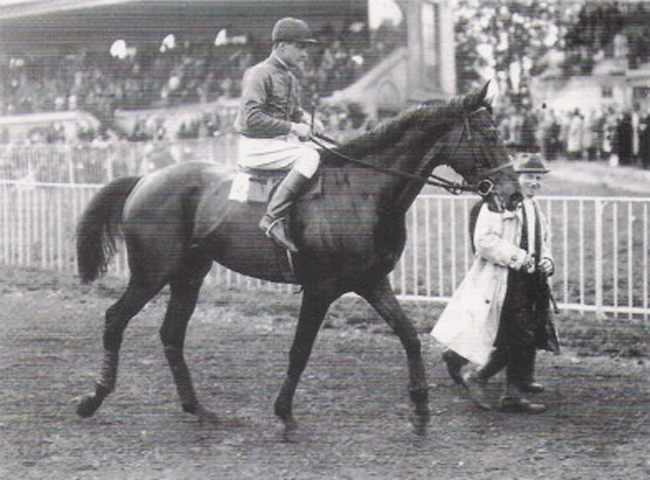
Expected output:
(291, 29)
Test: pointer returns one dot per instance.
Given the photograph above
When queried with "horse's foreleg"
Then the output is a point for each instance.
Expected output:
(382, 298)
(117, 318)
(184, 295)
(312, 313)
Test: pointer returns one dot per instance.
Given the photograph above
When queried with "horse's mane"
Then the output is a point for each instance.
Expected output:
(431, 115)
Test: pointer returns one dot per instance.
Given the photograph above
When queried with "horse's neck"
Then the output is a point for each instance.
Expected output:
(401, 192)
(401, 152)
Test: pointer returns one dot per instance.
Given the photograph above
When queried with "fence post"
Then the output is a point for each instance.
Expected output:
(71, 165)
(108, 165)
(598, 256)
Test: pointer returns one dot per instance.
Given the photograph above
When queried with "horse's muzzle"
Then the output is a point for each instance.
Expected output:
(495, 204)
(514, 200)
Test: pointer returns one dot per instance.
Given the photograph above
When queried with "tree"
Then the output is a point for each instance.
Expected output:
(597, 26)
(507, 40)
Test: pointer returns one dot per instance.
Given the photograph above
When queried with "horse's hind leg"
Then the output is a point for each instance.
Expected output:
(382, 298)
(118, 316)
(184, 294)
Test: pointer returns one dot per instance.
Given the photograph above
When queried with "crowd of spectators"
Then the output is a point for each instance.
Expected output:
(195, 73)
(616, 135)
(100, 84)
(188, 73)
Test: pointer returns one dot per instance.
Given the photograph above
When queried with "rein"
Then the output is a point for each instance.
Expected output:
(432, 179)
(483, 187)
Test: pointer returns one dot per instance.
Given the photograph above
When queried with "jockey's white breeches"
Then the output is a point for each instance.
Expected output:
(279, 153)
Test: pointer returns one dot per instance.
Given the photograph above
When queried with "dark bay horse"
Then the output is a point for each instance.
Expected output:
(178, 220)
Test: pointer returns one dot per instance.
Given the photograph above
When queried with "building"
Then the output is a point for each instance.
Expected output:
(612, 83)
(422, 69)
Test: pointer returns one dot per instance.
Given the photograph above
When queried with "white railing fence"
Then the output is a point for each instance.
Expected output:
(600, 245)
(99, 163)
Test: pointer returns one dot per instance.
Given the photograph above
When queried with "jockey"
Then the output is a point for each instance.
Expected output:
(272, 124)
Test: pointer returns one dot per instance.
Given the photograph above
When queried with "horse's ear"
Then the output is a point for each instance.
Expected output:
(491, 92)
(477, 97)
(483, 92)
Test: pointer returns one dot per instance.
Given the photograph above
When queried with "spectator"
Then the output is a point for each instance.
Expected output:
(574, 136)
(624, 139)
(644, 149)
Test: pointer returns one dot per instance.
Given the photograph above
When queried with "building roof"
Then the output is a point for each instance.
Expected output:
(67, 24)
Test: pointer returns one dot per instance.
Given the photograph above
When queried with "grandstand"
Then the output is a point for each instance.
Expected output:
(121, 59)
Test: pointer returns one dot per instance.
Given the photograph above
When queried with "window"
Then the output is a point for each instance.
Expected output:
(607, 92)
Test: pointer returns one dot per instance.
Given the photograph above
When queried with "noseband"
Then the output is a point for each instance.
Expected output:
(484, 186)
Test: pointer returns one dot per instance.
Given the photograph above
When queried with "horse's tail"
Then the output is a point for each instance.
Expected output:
(97, 230)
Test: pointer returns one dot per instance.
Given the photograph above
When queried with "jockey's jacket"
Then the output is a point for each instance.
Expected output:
(270, 100)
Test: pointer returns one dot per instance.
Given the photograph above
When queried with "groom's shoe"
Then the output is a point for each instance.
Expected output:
(532, 387)
(476, 389)
(454, 364)
(520, 405)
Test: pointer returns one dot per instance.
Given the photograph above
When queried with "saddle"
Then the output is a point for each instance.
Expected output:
(256, 186)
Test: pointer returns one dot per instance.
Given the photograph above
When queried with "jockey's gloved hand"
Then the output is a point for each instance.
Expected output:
(302, 130)
(317, 127)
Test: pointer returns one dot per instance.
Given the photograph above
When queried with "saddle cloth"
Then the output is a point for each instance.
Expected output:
(257, 186)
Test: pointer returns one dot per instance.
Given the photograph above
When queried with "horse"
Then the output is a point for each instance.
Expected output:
(177, 221)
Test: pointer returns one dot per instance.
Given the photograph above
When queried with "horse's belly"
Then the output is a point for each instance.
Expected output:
(240, 245)
(263, 267)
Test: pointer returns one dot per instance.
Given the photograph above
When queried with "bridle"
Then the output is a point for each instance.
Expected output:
(484, 186)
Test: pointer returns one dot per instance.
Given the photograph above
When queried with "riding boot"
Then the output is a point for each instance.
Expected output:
(273, 222)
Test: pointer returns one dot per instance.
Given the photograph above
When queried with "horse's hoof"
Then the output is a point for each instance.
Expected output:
(88, 405)
(283, 412)
(206, 417)
(290, 430)
(420, 399)
(419, 422)
(290, 424)
(192, 408)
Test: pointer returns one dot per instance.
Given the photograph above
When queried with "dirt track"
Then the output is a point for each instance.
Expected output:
(352, 405)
